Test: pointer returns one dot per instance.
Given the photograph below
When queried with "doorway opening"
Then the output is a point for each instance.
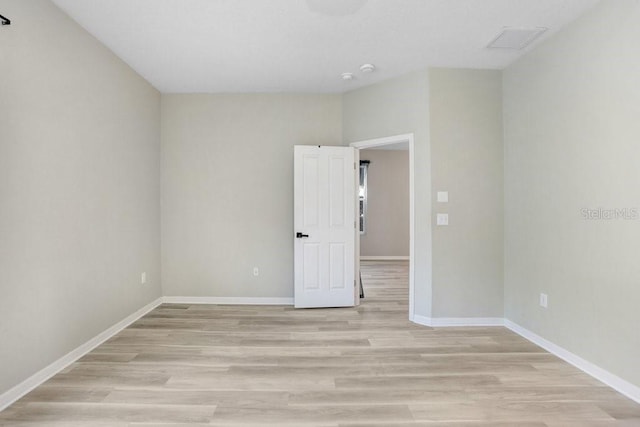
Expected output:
(404, 142)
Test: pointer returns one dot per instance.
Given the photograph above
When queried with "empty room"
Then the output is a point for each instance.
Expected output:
(329, 213)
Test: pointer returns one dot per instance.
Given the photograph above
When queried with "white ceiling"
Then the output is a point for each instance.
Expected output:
(305, 45)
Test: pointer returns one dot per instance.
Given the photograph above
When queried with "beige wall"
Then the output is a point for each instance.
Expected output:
(79, 189)
(467, 161)
(394, 107)
(227, 189)
(572, 133)
(387, 231)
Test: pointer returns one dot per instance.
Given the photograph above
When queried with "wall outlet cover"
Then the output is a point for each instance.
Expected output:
(544, 300)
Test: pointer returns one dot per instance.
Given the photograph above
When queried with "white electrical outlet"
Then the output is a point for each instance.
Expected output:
(143, 278)
(256, 272)
(544, 300)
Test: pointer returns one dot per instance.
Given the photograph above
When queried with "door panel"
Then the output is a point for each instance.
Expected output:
(311, 266)
(337, 258)
(311, 193)
(336, 192)
(324, 217)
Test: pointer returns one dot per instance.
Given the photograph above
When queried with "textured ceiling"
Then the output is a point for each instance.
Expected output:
(305, 45)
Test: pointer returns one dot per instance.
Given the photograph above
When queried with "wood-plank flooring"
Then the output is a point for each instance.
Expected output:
(205, 365)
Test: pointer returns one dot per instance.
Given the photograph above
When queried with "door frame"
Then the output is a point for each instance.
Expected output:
(392, 140)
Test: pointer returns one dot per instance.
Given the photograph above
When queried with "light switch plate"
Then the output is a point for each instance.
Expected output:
(443, 197)
(442, 219)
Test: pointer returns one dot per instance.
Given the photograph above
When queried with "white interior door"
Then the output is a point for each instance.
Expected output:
(324, 226)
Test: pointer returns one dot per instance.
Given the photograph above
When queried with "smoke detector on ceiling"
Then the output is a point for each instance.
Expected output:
(347, 76)
(367, 68)
(515, 38)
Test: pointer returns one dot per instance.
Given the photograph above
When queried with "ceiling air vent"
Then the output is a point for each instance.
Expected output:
(515, 38)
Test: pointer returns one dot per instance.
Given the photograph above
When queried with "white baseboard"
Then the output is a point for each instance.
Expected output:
(9, 397)
(630, 390)
(421, 320)
(466, 321)
(227, 300)
(12, 395)
(613, 381)
(384, 258)
(442, 322)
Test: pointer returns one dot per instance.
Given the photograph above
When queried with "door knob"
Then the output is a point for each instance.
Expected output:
(299, 235)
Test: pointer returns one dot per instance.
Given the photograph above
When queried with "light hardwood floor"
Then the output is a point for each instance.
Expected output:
(197, 365)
